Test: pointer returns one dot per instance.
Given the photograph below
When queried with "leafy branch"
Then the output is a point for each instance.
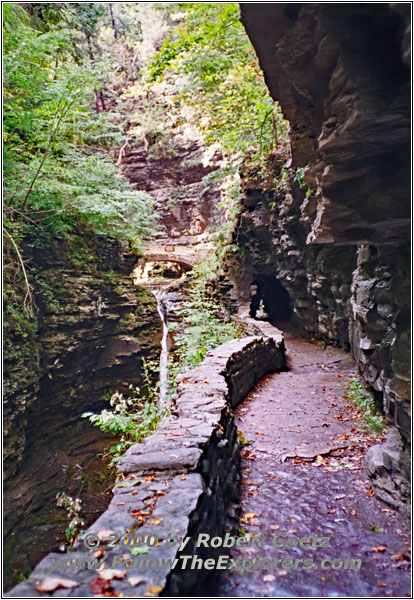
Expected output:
(55, 128)
(28, 301)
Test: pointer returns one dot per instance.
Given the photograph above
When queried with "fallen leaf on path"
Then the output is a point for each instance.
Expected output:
(381, 584)
(379, 548)
(248, 517)
(399, 556)
(269, 578)
(136, 550)
(377, 529)
(50, 584)
(135, 580)
(101, 587)
(155, 590)
(109, 574)
(105, 534)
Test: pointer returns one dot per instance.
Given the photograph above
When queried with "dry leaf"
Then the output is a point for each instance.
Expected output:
(155, 590)
(353, 513)
(248, 517)
(100, 587)
(50, 584)
(99, 553)
(156, 521)
(109, 574)
(275, 527)
(378, 548)
(135, 580)
(399, 556)
(269, 578)
(381, 584)
(105, 534)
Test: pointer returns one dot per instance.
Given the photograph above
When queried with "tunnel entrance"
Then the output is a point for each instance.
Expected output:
(268, 295)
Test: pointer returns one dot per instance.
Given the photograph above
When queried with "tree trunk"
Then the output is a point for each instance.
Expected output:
(113, 21)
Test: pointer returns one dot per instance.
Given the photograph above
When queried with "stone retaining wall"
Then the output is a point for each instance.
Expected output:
(179, 482)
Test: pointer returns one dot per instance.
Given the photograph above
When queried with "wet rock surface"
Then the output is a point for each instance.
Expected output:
(301, 477)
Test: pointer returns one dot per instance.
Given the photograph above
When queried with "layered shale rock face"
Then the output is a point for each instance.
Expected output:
(93, 329)
(338, 244)
(340, 75)
(173, 174)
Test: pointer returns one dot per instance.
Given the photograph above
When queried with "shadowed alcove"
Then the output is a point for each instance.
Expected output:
(268, 292)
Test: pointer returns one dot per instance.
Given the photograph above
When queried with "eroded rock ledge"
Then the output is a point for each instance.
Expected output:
(182, 480)
(340, 73)
(341, 250)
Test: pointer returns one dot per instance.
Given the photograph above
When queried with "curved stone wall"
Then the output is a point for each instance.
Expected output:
(178, 483)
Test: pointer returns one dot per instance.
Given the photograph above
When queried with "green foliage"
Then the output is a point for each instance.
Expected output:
(56, 172)
(207, 324)
(241, 439)
(364, 402)
(299, 176)
(73, 509)
(132, 418)
(212, 65)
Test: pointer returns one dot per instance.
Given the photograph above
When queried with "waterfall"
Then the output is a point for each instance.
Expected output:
(163, 381)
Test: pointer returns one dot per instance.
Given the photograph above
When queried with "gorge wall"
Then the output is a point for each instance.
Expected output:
(91, 329)
(331, 247)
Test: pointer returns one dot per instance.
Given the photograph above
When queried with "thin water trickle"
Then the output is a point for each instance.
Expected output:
(163, 382)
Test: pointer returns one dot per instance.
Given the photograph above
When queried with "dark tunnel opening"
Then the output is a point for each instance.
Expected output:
(269, 295)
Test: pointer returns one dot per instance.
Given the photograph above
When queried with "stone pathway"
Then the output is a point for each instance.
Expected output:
(302, 478)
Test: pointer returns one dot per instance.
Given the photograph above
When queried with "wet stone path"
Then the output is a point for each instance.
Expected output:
(305, 499)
